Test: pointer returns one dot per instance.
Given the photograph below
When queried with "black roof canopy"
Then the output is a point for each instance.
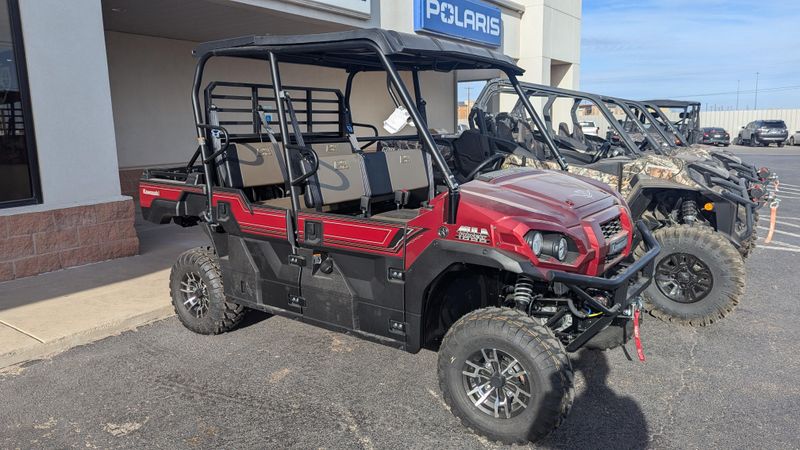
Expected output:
(665, 103)
(355, 50)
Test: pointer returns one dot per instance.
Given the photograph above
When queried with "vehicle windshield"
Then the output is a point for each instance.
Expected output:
(774, 124)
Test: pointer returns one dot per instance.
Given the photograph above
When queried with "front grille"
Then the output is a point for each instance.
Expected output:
(611, 228)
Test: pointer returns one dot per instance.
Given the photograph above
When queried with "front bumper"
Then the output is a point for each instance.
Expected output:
(622, 290)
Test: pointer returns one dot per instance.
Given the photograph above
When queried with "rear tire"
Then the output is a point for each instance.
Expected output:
(198, 296)
(542, 368)
(791, 141)
(708, 276)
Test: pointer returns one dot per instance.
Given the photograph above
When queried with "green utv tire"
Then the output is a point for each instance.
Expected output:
(198, 296)
(505, 376)
(699, 276)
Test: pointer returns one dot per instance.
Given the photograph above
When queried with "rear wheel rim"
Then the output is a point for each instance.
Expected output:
(194, 294)
(496, 383)
(684, 278)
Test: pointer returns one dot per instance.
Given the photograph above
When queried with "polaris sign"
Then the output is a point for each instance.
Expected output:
(461, 19)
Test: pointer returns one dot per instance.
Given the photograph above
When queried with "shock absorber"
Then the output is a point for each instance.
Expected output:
(523, 292)
(689, 211)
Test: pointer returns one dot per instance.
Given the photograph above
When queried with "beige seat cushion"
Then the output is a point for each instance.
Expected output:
(408, 169)
(338, 179)
(255, 164)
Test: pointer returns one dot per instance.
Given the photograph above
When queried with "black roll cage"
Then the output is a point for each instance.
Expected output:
(531, 88)
(272, 54)
(655, 109)
(689, 120)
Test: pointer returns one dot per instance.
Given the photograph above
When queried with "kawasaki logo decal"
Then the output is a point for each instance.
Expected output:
(472, 234)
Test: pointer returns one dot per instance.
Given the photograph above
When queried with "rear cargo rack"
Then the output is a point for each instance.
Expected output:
(320, 111)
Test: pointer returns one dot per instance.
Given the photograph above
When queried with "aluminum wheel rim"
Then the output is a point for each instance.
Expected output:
(194, 294)
(684, 278)
(496, 383)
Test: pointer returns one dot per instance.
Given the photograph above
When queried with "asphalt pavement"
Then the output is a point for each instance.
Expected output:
(276, 383)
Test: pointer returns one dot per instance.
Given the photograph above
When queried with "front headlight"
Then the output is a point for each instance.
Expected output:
(558, 248)
(553, 244)
(535, 240)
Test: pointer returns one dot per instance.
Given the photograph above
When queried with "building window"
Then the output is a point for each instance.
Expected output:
(19, 174)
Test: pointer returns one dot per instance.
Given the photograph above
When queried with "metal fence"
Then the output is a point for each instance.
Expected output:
(733, 121)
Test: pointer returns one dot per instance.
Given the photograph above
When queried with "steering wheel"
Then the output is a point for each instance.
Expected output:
(484, 164)
(602, 152)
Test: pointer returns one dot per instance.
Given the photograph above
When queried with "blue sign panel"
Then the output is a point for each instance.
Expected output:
(461, 19)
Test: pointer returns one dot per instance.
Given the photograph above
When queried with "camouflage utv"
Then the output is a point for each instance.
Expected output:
(699, 213)
(761, 182)
(664, 139)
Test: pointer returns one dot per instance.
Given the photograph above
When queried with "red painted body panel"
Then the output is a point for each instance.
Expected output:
(509, 207)
(505, 208)
(151, 191)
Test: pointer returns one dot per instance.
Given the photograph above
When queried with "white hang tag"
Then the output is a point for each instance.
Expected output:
(397, 121)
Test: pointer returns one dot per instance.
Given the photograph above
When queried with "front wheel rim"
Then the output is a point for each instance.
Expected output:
(194, 294)
(496, 383)
(683, 278)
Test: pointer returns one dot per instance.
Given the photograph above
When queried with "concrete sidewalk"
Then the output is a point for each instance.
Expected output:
(49, 313)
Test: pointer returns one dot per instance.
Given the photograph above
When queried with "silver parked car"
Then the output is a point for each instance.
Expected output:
(794, 139)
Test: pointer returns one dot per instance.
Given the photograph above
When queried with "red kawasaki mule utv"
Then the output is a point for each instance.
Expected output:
(374, 236)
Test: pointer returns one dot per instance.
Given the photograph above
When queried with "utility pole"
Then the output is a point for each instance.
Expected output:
(737, 94)
(469, 95)
(755, 105)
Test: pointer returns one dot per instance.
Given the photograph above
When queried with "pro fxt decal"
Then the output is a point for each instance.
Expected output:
(472, 234)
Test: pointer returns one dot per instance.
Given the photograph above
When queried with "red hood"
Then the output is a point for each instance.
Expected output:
(542, 193)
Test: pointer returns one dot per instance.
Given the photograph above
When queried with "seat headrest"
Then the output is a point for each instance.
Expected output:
(563, 129)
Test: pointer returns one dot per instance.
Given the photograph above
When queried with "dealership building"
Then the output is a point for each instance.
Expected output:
(96, 90)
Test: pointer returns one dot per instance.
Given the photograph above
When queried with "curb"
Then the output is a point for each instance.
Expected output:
(50, 349)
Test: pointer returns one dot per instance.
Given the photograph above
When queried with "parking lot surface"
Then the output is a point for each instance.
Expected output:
(276, 383)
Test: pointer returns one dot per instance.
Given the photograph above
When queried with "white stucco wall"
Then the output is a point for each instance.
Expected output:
(72, 114)
(550, 35)
(151, 83)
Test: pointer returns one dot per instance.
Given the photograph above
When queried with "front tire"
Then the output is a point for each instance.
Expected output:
(699, 277)
(475, 358)
(198, 296)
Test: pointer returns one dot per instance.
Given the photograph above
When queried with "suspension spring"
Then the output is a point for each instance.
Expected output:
(689, 211)
(523, 292)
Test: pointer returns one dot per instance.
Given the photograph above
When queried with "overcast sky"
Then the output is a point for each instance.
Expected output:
(693, 49)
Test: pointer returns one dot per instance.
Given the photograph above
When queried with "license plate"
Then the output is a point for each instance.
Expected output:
(618, 245)
(717, 136)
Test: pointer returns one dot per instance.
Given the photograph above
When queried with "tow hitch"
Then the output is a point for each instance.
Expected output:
(637, 339)
(773, 217)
